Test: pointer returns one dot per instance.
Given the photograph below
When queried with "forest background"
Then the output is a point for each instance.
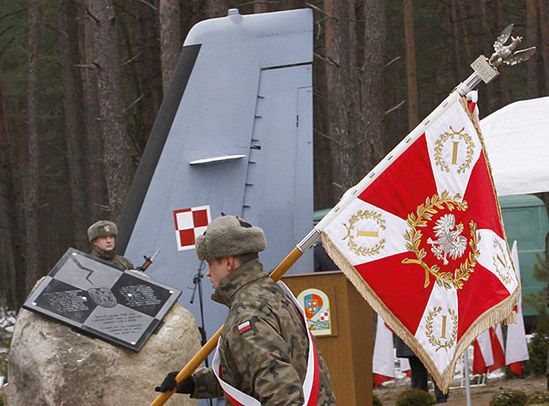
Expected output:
(81, 82)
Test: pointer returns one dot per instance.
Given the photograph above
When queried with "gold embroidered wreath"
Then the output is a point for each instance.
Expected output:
(429, 329)
(439, 146)
(413, 235)
(352, 244)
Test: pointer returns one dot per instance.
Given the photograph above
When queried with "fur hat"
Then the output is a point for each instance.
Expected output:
(229, 236)
(102, 228)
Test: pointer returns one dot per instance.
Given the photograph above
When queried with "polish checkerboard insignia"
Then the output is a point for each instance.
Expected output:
(364, 232)
(189, 224)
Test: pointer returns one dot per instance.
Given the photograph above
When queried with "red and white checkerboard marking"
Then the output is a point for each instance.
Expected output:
(189, 224)
(324, 316)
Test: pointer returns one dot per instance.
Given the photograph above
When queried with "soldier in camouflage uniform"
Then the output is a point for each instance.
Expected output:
(102, 236)
(263, 345)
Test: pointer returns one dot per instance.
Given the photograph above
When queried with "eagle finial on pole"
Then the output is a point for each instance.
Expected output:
(486, 69)
(504, 53)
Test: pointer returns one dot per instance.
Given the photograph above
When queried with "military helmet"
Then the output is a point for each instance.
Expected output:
(102, 228)
(229, 236)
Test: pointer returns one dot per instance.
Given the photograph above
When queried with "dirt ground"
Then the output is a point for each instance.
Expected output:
(480, 395)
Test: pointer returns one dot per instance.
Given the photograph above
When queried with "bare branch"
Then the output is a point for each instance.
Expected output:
(88, 12)
(133, 103)
(149, 4)
(92, 66)
(131, 59)
(326, 136)
(12, 13)
(327, 60)
(397, 58)
(399, 105)
(319, 10)
(6, 29)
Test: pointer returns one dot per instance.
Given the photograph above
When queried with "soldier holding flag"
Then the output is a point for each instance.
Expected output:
(265, 354)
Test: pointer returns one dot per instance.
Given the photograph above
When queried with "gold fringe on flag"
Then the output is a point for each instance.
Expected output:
(497, 314)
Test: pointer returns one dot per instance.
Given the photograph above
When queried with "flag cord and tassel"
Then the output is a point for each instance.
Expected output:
(210, 345)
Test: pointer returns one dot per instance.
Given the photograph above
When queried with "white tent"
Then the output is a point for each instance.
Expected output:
(517, 143)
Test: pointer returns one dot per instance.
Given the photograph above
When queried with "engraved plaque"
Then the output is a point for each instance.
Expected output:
(101, 300)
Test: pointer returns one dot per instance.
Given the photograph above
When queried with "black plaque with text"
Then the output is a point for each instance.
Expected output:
(102, 300)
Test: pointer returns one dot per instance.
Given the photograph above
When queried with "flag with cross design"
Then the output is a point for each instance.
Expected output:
(422, 239)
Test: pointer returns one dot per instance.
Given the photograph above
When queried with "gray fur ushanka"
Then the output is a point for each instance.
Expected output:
(229, 236)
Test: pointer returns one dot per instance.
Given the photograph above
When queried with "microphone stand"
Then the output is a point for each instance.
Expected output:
(197, 280)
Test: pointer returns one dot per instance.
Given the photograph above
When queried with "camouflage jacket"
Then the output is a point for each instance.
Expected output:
(117, 260)
(268, 361)
(122, 262)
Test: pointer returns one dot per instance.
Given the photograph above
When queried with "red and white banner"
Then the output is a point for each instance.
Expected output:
(383, 361)
(488, 354)
(189, 224)
(482, 354)
(516, 348)
(421, 238)
(498, 353)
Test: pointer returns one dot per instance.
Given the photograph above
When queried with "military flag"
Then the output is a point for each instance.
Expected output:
(516, 348)
(482, 354)
(383, 360)
(421, 238)
(488, 354)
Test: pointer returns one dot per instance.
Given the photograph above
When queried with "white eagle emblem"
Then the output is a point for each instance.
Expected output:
(449, 241)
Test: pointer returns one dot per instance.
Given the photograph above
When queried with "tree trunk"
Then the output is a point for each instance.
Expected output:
(117, 162)
(502, 84)
(32, 238)
(371, 150)
(532, 38)
(453, 40)
(466, 30)
(336, 36)
(150, 70)
(216, 8)
(170, 39)
(96, 192)
(544, 51)
(479, 42)
(18, 160)
(8, 278)
(411, 69)
(261, 6)
(322, 143)
(68, 51)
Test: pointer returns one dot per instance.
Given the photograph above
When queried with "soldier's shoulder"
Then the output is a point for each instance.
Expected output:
(123, 262)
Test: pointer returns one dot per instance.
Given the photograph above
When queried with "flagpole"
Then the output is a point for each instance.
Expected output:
(210, 345)
(467, 378)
